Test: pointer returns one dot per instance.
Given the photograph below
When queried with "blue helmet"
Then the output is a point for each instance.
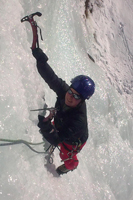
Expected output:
(84, 85)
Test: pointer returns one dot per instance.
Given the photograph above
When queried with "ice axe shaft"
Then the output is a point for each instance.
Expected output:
(49, 109)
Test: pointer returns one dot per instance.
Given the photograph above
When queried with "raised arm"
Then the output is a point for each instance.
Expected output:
(55, 83)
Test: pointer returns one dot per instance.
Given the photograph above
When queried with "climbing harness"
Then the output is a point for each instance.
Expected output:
(30, 19)
(72, 152)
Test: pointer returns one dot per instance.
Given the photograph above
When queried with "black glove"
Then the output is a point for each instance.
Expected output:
(45, 126)
(39, 54)
(48, 131)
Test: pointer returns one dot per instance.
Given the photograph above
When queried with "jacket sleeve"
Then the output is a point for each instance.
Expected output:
(55, 83)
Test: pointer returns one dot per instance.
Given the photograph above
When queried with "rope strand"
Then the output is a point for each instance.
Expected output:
(13, 142)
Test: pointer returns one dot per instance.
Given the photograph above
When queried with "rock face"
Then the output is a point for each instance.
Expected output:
(109, 24)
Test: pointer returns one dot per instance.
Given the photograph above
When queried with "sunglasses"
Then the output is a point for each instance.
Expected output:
(76, 96)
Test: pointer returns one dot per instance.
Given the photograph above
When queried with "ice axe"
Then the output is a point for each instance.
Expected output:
(30, 19)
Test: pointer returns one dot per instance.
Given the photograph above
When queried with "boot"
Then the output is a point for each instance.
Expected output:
(62, 169)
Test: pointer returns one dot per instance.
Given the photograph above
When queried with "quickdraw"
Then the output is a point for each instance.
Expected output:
(50, 149)
(30, 19)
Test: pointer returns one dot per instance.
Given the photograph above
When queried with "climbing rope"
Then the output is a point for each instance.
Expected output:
(13, 142)
(28, 144)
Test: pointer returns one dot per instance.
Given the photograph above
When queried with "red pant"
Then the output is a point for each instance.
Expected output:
(65, 154)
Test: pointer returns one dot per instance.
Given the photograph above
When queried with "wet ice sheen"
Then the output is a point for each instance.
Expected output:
(106, 164)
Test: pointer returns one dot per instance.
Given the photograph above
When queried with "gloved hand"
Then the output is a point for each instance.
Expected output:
(48, 131)
(45, 126)
(39, 54)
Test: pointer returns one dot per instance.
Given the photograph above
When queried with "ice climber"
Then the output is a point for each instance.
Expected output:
(70, 128)
(66, 128)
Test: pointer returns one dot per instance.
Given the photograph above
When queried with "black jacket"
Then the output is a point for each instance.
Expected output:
(71, 123)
